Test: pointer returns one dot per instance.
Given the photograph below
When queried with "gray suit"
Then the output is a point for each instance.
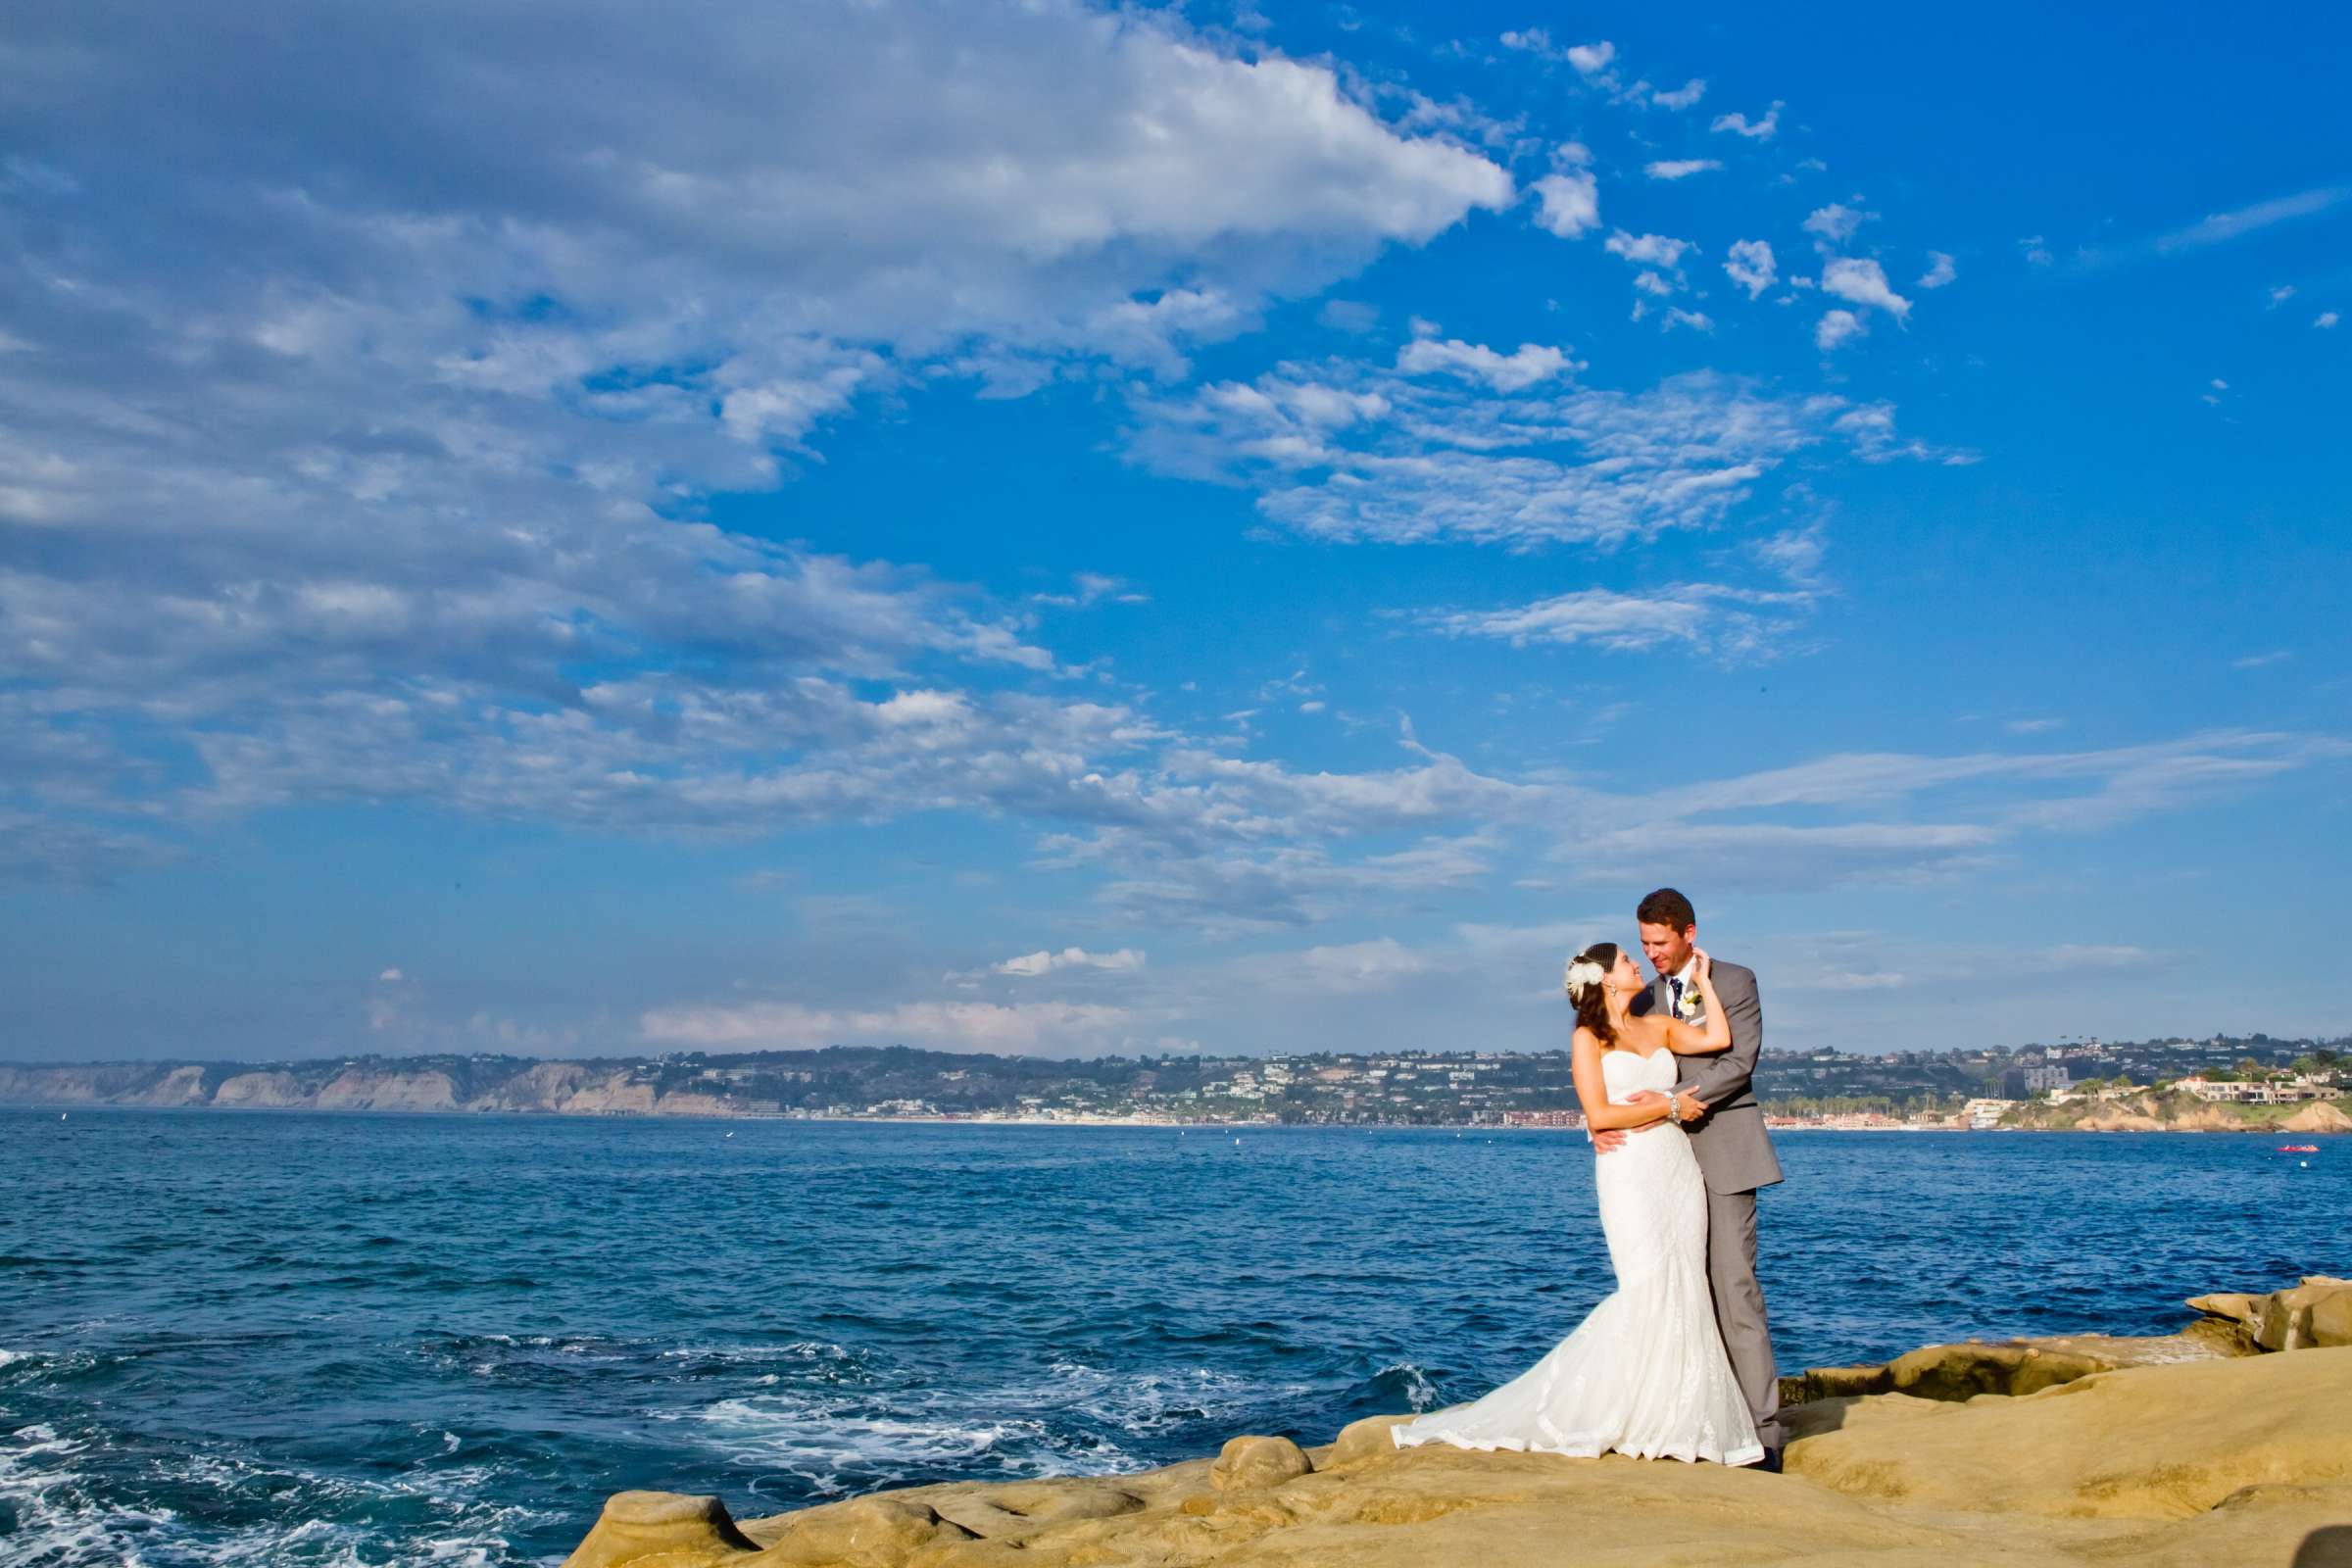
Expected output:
(1734, 1154)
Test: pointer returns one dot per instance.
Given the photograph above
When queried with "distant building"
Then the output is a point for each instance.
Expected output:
(1542, 1118)
(2023, 1083)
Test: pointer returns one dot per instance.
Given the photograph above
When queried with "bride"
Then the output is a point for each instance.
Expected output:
(1646, 1373)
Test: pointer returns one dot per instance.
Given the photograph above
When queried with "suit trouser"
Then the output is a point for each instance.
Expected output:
(1740, 1306)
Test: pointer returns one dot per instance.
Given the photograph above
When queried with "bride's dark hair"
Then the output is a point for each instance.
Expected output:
(1590, 996)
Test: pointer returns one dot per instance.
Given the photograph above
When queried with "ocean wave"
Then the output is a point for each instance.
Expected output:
(1153, 1400)
(1401, 1379)
(80, 1502)
(834, 1447)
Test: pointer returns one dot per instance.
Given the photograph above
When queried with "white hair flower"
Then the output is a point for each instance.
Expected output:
(1582, 974)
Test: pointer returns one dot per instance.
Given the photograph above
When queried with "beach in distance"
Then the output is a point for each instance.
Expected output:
(312, 1339)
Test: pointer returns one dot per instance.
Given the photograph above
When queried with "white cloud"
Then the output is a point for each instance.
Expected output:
(1647, 250)
(1757, 130)
(1940, 272)
(1697, 321)
(1680, 167)
(1837, 327)
(1569, 202)
(391, 975)
(1684, 97)
(2276, 656)
(2281, 294)
(1529, 366)
(1044, 961)
(1569, 197)
(2326, 320)
(1591, 59)
(1836, 222)
(1862, 281)
(1750, 264)
(2036, 250)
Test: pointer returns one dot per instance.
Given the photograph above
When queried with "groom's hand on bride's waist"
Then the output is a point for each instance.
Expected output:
(1607, 1139)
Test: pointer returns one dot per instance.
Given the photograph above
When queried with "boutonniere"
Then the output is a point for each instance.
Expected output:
(1693, 1007)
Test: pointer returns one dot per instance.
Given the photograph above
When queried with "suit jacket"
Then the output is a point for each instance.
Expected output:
(1735, 1152)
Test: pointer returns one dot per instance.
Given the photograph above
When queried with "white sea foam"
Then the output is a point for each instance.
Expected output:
(839, 1445)
(63, 1515)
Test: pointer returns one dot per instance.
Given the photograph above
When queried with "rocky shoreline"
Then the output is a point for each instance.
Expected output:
(2228, 1442)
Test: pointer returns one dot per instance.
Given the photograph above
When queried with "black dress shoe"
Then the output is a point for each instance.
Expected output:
(1770, 1463)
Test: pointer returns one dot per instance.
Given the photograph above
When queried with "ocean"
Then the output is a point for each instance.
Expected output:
(314, 1339)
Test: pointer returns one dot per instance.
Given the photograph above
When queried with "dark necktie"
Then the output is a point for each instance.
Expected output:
(1677, 987)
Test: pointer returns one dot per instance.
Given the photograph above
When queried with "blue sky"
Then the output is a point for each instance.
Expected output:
(1043, 529)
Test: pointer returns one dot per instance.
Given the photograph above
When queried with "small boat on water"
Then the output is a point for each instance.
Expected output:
(2298, 1148)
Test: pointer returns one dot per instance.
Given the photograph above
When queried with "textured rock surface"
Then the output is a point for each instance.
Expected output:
(2165, 1465)
(2315, 1314)
(2318, 1117)
(1255, 1462)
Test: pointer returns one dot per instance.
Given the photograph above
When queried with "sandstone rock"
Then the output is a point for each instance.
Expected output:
(2331, 1322)
(613, 1093)
(1948, 1372)
(878, 1531)
(2318, 1117)
(182, 1086)
(2235, 1306)
(2119, 1121)
(2286, 1315)
(273, 1091)
(659, 1530)
(1253, 1462)
(2150, 1443)
(2173, 1464)
(1367, 1439)
(1016, 1513)
(358, 1090)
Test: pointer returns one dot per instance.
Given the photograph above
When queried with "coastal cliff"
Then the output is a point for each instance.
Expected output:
(556, 1088)
(2173, 1452)
(2175, 1112)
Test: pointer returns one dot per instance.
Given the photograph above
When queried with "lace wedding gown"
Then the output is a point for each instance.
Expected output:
(1645, 1374)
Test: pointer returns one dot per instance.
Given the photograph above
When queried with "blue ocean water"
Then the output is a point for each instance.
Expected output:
(296, 1338)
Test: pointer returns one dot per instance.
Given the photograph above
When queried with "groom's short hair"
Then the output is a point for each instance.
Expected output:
(1668, 909)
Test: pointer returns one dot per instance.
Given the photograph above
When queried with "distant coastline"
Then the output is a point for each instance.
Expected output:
(2157, 1087)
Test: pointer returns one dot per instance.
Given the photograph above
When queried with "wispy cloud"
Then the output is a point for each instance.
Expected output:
(2220, 227)
(1029, 966)
(1436, 448)
(1680, 167)
(1742, 625)
(1760, 130)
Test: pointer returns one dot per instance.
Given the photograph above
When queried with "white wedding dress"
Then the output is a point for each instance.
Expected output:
(1645, 1374)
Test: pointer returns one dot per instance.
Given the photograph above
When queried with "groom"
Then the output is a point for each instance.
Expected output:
(1727, 1132)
